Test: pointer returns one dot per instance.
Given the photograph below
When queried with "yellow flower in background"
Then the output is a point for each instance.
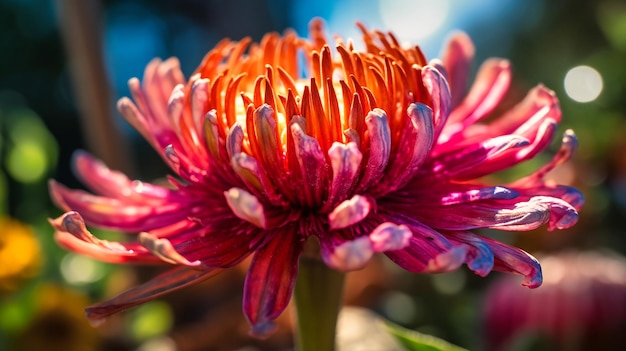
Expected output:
(20, 254)
(58, 323)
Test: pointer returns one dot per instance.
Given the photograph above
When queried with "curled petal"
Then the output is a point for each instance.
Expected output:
(199, 99)
(415, 143)
(349, 255)
(246, 206)
(160, 285)
(438, 88)
(514, 260)
(380, 147)
(479, 258)
(71, 233)
(345, 161)
(349, 212)
(428, 251)
(497, 214)
(163, 249)
(270, 281)
(569, 144)
(234, 140)
(390, 236)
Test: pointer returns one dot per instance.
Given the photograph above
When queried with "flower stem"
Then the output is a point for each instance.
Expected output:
(318, 297)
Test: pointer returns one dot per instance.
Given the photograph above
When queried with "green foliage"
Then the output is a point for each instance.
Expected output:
(414, 341)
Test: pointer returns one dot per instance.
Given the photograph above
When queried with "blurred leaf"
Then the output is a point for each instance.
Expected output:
(17, 310)
(612, 20)
(414, 341)
(150, 320)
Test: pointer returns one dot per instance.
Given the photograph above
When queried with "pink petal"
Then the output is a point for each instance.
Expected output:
(448, 193)
(160, 285)
(104, 181)
(224, 248)
(390, 236)
(512, 259)
(490, 86)
(349, 255)
(415, 143)
(270, 280)
(457, 58)
(312, 164)
(428, 251)
(345, 161)
(520, 216)
(439, 91)
(457, 163)
(569, 144)
(117, 214)
(527, 111)
(246, 206)
(379, 148)
(479, 258)
(349, 212)
(163, 249)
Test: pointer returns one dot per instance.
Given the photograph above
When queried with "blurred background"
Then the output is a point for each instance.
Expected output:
(64, 64)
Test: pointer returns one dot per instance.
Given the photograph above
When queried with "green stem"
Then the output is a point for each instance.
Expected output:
(318, 297)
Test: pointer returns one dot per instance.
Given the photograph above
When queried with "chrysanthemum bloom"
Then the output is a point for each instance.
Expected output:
(373, 151)
(581, 306)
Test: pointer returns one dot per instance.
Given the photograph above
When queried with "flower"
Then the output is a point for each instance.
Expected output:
(373, 151)
(20, 254)
(58, 322)
(581, 306)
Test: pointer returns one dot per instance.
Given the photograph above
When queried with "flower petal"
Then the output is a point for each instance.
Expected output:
(379, 148)
(312, 165)
(104, 181)
(390, 236)
(490, 85)
(439, 91)
(163, 249)
(457, 59)
(345, 161)
(512, 259)
(270, 280)
(117, 214)
(428, 251)
(349, 212)
(224, 247)
(160, 285)
(71, 233)
(350, 255)
(479, 258)
(416, 141)
(246, 206)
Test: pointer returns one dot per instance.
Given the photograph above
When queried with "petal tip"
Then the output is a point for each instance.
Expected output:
(263, 330)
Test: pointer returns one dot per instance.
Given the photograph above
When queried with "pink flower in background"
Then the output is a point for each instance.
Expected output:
(373, 151)
(581, 306)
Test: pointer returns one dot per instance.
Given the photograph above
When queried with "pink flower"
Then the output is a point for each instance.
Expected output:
(375, 151)
(581, 306)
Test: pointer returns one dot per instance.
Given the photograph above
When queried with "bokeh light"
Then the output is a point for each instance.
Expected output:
(583, 84)
(414, 20)
(78, 269)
